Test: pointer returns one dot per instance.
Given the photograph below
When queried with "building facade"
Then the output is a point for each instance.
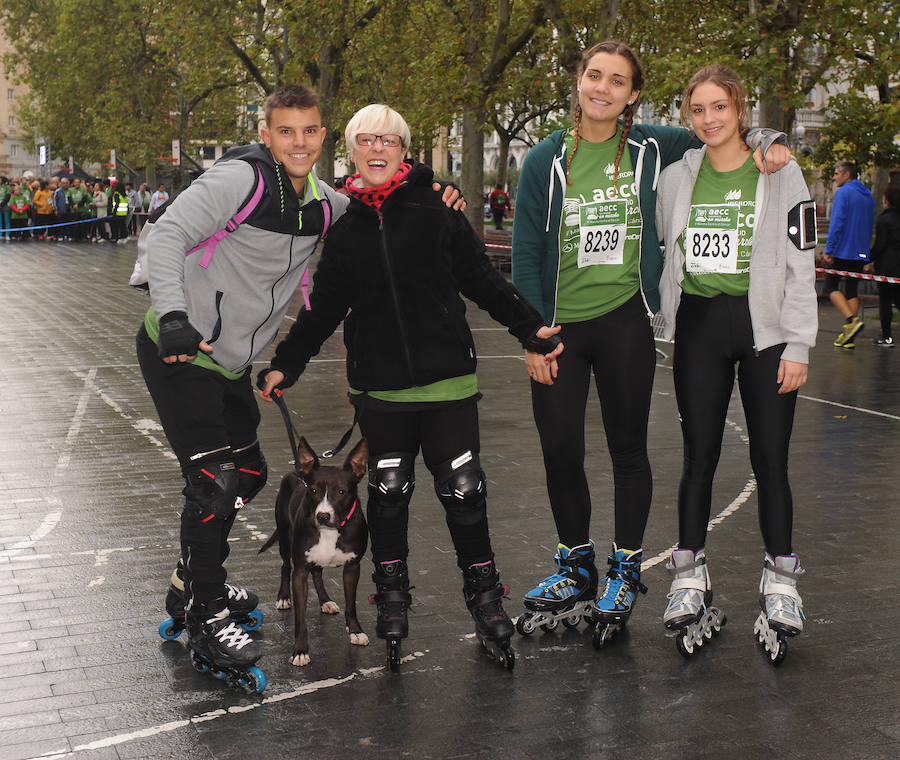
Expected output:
(17, 150)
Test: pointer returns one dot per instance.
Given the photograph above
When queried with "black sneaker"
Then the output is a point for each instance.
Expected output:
(886, 342)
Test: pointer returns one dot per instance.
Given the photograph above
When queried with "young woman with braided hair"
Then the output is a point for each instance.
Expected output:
(586, 254)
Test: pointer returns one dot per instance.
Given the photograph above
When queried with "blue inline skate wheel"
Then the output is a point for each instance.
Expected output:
(199, 665)
(256, 620)
(255, 680)
(168, 630)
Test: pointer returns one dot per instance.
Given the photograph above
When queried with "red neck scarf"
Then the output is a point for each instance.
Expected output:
(374, 196)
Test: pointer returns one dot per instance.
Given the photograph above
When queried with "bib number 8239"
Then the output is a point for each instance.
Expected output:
(601, 240)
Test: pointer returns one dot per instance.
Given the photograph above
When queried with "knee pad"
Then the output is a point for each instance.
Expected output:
(392, 480)
(252, 471)
(462, 489)
(211, 490)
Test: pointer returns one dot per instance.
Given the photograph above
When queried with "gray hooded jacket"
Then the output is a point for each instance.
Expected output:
(239, 301)
(782, 295)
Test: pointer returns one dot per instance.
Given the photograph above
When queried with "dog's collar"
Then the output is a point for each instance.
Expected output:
(349, 514)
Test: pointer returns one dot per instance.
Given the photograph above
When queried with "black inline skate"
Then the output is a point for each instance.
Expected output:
(392, 600)
(242, 605)
(220, 647)
(483, 591)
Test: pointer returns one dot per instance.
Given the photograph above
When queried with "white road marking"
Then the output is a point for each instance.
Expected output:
(143, 426)
(50, 521)
(62, 464)
(860, 409)
(164, 728)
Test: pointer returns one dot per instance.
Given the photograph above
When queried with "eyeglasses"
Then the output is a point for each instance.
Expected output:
(367, 140)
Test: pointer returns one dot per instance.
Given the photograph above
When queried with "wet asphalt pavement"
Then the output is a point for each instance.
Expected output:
(89, 505)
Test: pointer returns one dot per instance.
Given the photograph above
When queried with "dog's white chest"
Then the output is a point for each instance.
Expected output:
(325, 553)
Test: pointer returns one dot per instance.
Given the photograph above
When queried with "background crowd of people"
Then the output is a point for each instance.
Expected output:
(76, 210)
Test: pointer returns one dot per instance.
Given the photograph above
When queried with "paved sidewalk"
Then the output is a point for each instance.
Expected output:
(89, 504)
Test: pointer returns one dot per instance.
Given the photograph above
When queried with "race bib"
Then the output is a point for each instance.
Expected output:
(711, 240)
(602, 234)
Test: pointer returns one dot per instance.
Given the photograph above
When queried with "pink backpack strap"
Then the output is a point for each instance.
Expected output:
(304, 281)
(232, 224)
(304, 289)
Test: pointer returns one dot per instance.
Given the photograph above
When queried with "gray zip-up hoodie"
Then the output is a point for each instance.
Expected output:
(239, 301)
(782, 295)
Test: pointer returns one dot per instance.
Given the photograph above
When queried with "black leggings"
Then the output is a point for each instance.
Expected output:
(888, 297)
(711, 336)
(443, 433)
(618, 349)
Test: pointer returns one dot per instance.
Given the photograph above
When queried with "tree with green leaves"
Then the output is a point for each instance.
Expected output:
(122, 82)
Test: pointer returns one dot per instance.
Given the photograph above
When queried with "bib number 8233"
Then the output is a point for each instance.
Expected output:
(706, 244)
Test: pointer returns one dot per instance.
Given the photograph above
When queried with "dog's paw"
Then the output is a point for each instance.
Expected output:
(282, 604)
(331, 608)
(360, 639)
(300, 659)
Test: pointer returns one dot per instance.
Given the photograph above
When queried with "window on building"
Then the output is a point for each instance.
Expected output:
(10, 94)
(12, 121)
(13, 151)
(208, 152)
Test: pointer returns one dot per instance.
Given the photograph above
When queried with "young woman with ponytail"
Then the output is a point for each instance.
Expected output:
(586, 253)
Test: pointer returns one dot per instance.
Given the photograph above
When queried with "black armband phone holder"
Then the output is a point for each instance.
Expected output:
(801, 225)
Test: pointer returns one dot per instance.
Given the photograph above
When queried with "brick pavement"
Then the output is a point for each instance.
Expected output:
(89, 509)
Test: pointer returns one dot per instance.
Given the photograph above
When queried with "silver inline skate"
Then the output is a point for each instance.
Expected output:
(781, 608)
(690, 612)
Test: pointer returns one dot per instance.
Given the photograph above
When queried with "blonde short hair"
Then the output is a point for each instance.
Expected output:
(378, 119)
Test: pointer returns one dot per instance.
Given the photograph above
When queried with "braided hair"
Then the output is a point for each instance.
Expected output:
(613, 47)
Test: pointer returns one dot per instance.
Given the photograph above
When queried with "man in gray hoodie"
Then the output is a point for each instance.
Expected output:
(220, 286)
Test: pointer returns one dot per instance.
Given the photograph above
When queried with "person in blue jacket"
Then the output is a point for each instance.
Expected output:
(586, 254)
(849, 235)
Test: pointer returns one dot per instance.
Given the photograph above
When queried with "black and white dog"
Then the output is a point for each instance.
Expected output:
(319, 523)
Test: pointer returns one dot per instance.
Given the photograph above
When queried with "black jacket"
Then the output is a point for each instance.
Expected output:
(395, 279)
(885, 252)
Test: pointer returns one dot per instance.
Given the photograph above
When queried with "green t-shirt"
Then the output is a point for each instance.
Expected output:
(451, 389)
(78, 198)
(20, 200)
(718, 240)
(599, 234)
(151, 323)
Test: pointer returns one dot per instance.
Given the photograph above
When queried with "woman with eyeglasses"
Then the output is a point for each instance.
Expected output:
(393, 271)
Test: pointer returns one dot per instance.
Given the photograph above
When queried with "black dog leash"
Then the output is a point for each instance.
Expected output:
(293, 435)
(345, 437)
(278, 397)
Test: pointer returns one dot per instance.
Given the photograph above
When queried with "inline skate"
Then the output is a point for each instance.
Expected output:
(621, 585)
(483, 591)
(567, 595)
(392, 601)
(242, 605)
(781, 608)
(220, 647)
(689, 611)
